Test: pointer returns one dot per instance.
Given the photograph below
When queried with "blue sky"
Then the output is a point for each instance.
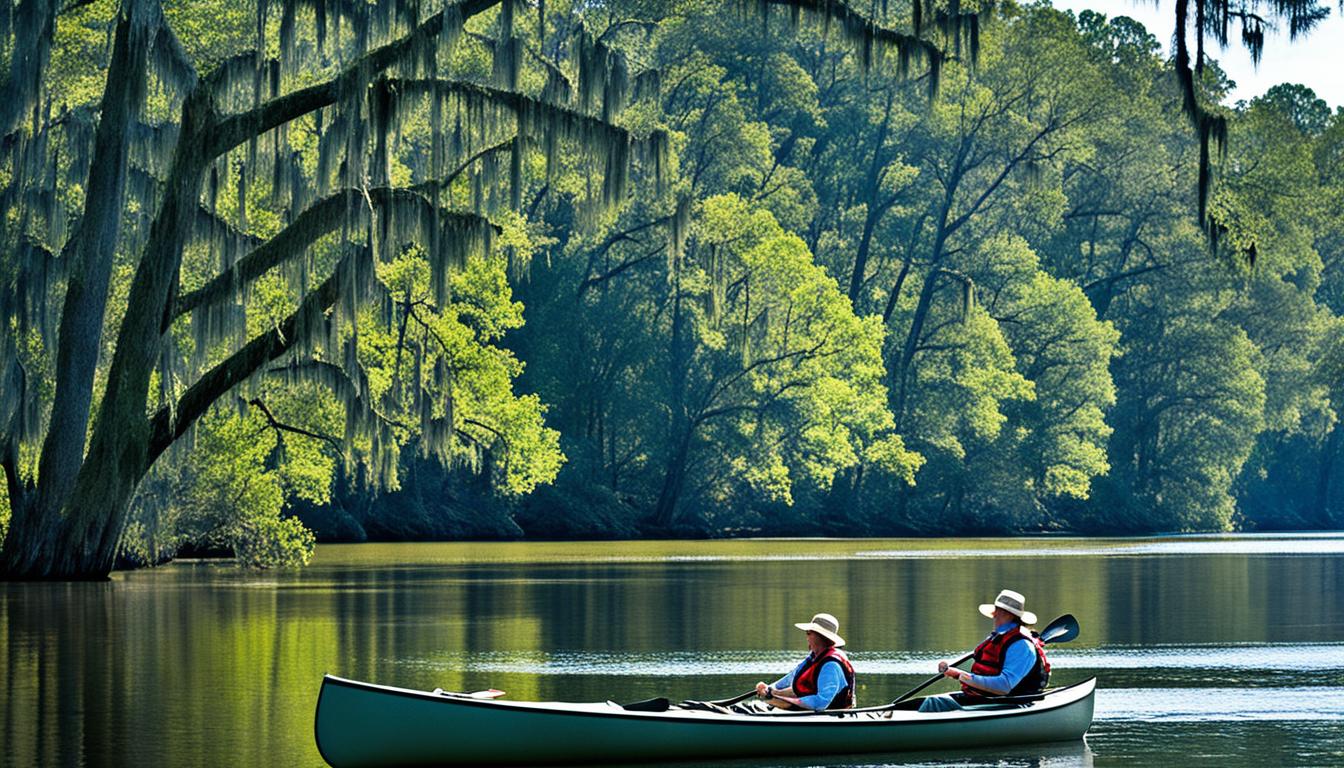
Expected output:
(1316, 61)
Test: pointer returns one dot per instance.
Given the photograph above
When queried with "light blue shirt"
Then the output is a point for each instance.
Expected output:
(830, 681)
(1018, 660)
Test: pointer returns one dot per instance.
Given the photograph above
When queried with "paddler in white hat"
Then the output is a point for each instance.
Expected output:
(823, 680)
(1010, 662)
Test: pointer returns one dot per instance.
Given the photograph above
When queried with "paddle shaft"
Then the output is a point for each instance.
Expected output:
(929, 682)
(752, 692)
(735, 699)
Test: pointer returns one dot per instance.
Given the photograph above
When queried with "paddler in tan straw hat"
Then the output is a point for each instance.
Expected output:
(1010, 662)
(824, 680)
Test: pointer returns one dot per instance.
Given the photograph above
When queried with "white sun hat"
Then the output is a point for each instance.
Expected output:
(826, 625)
(1012, 602)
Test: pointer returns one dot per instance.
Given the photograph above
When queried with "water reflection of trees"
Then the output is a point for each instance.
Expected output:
(169, 665)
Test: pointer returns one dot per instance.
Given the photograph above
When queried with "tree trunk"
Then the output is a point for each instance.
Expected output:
(1320, 514)
(901, 374)
(37, 527)
(872, 190)
(681, 428)
(861, 257)
(674, 480)
(81, 330)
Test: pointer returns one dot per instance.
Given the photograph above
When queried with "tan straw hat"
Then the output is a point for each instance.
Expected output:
(1012, 602)
(826, 625)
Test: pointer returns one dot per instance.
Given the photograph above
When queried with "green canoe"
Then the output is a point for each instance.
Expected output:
(361, 724)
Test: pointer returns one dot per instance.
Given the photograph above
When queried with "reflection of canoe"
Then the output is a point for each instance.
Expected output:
(360, 724)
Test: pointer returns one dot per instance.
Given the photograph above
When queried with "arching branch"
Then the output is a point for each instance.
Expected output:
(550, 121)
(319, 219)
(233, 130)
(170, 423)
(876, 43)
(429, 186)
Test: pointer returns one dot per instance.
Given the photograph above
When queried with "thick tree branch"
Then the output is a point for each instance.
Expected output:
(168, 424)
(233, 130)
(870, 37)
(319, 219)
(527, 109)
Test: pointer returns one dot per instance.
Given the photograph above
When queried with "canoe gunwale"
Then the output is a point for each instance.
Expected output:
(1077, 692)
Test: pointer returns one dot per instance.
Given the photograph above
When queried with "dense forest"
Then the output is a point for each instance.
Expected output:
(650, 268)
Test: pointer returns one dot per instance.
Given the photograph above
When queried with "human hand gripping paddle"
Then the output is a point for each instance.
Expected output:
(750, 694)
(1061, 630)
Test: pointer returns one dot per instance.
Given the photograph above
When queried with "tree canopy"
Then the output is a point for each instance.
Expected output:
(494, 268)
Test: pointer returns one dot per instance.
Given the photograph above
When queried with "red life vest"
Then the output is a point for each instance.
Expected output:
(805, 682)
(989, 662)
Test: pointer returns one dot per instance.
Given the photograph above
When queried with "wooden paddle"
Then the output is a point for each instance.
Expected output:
(1061, 630)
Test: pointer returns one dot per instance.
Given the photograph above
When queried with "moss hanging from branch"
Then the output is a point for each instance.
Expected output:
(874, 43)
(603, 72)
(451, 237)
(1214, 19)
(679, 229)
(490, 112)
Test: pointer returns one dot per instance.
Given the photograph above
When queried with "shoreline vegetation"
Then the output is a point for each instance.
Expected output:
(616, 551)
(283, 273)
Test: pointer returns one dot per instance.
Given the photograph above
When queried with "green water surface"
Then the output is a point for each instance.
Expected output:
(1210, 650)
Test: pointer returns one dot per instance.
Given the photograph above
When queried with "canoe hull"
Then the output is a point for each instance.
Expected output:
(359, 725)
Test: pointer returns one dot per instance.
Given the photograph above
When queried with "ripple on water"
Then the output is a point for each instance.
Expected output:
(1186, 705)
(1258, 657)
(1323, 545)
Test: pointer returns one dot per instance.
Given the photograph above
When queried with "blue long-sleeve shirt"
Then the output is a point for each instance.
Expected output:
(1018, 660)
(830, 681)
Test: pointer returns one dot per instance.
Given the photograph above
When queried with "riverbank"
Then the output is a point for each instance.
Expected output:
(452, 511)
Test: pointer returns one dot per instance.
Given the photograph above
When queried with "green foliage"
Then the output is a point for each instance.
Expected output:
(474, 388)
(1028, 244)
(791, 378)
(225, 493)
(845, 309)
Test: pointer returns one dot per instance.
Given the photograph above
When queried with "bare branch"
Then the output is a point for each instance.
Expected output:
(280, 426)
(428, 186)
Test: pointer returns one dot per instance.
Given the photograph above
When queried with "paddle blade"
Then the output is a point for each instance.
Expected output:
(659, 704)
(1061, 630)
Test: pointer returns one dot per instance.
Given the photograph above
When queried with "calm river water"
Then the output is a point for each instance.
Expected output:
(1210, 650)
